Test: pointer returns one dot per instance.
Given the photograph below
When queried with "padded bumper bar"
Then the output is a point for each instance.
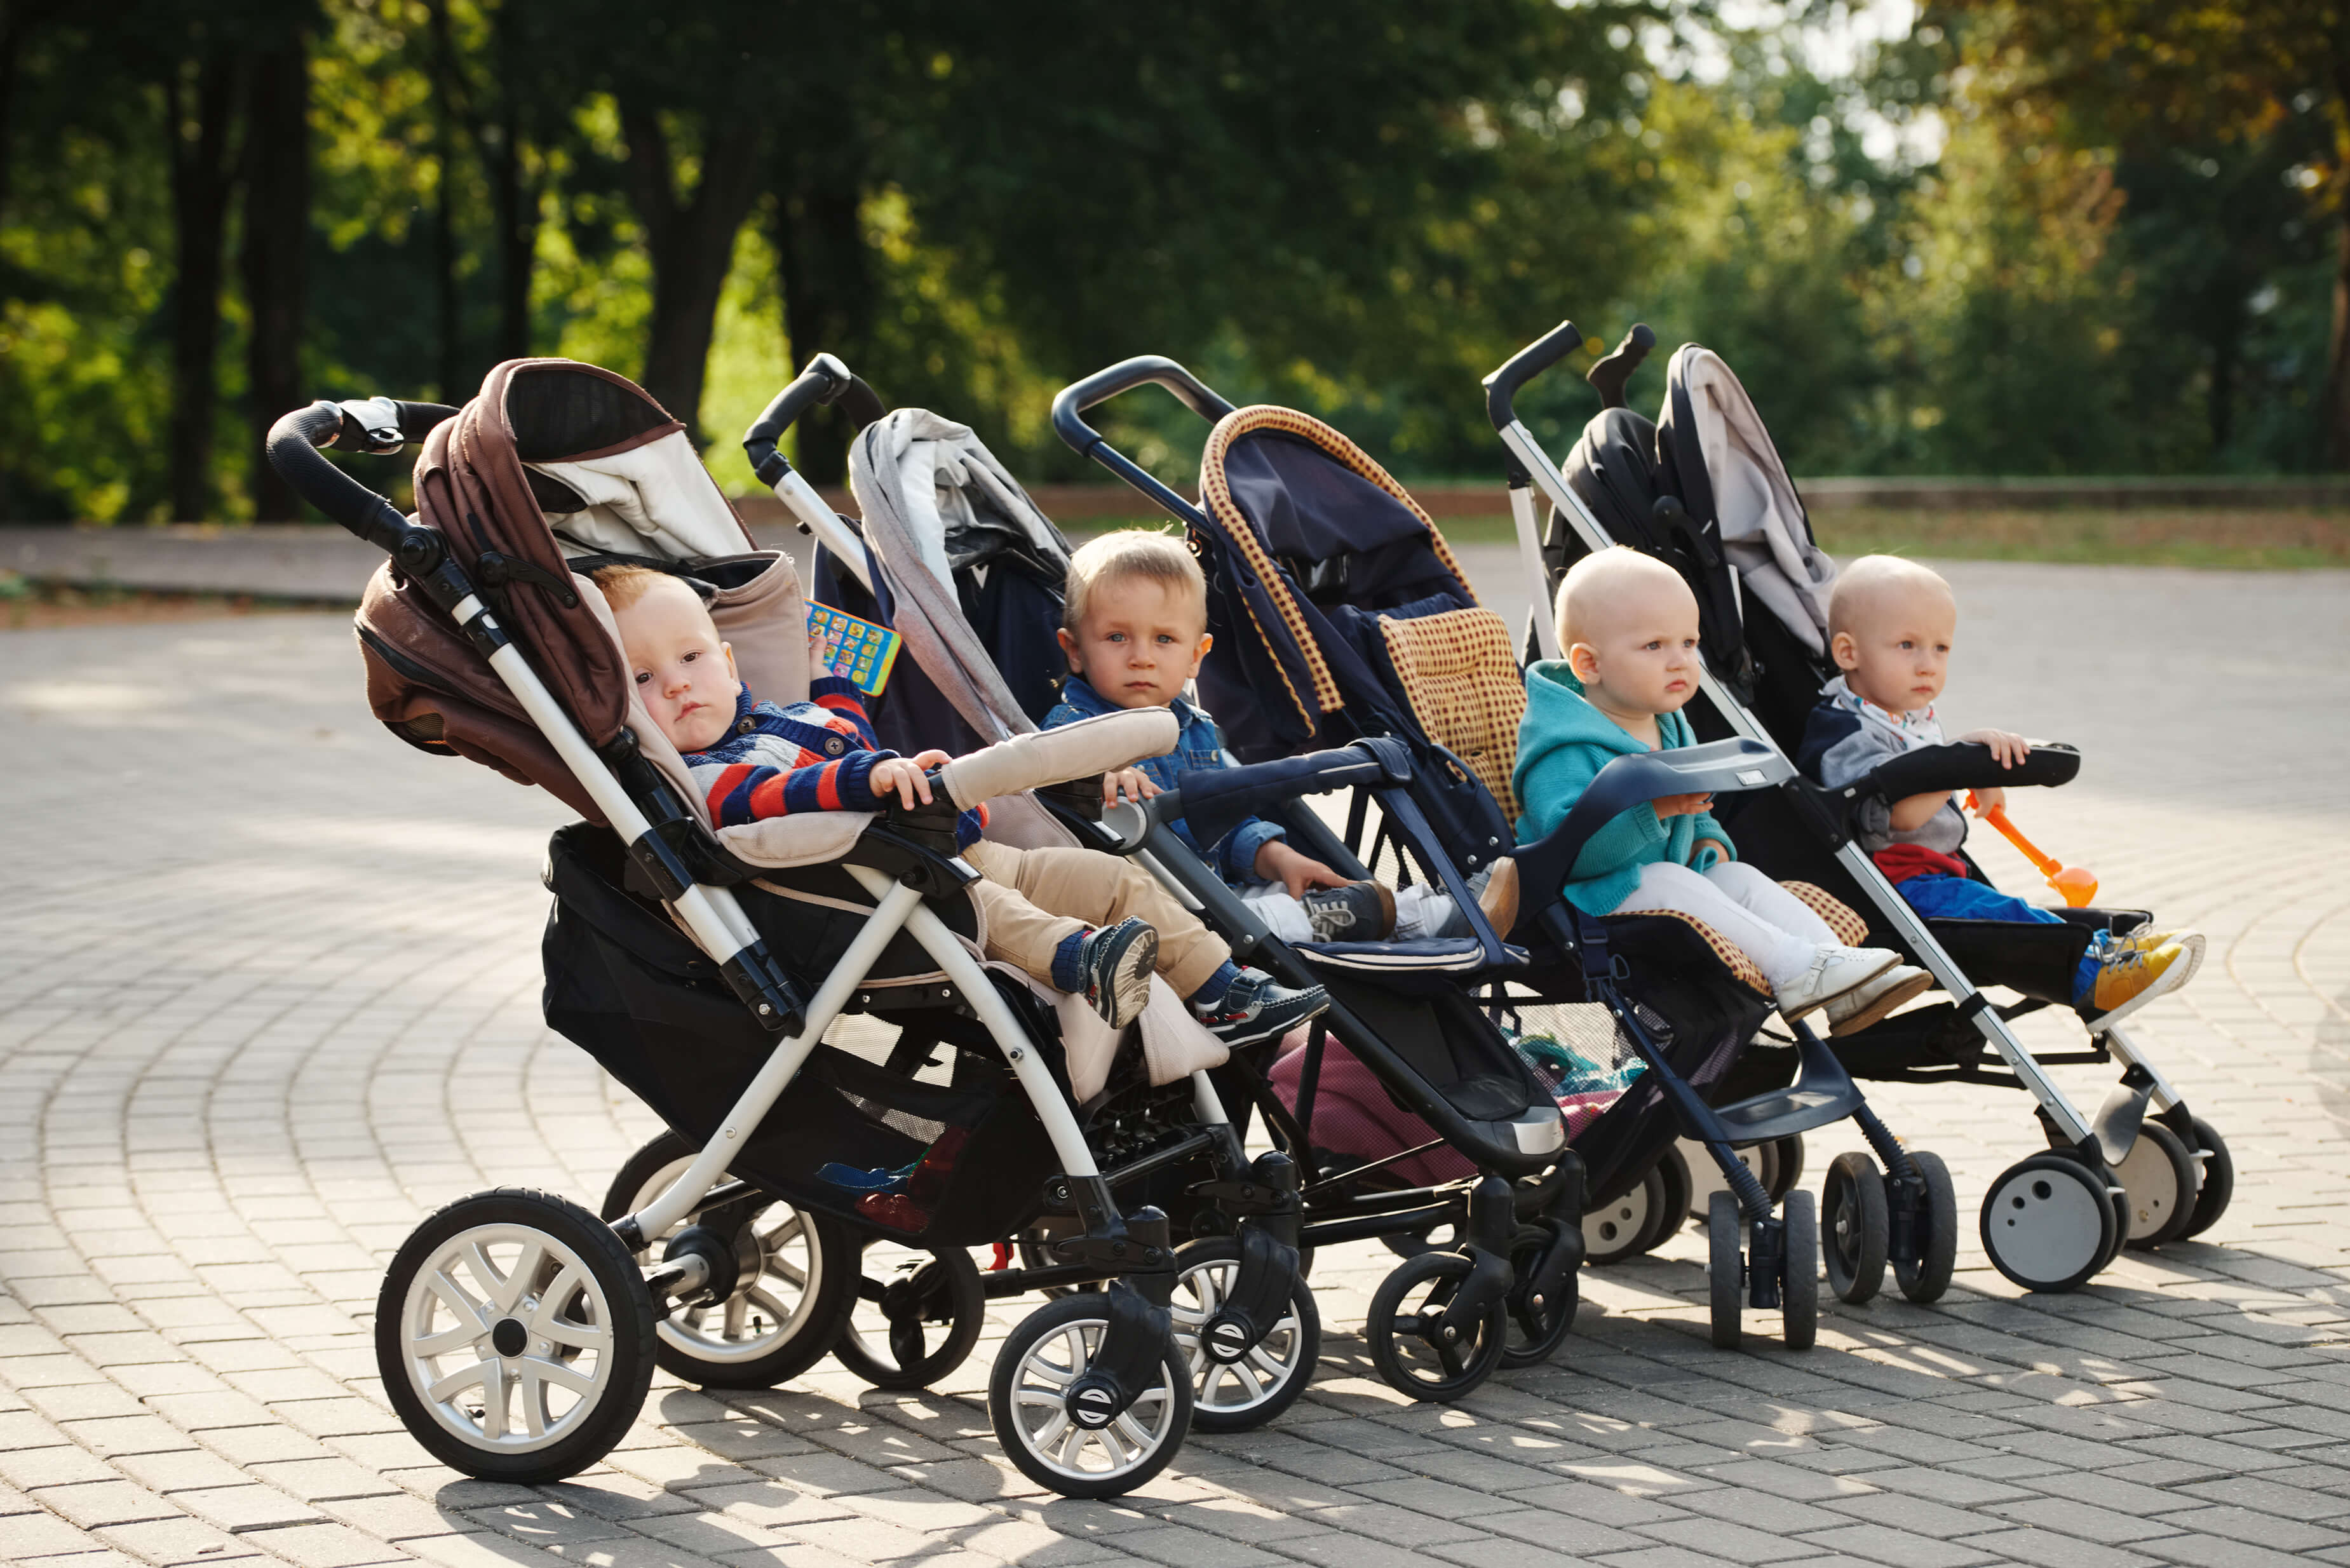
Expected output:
(1045, 757)
(1718, 767)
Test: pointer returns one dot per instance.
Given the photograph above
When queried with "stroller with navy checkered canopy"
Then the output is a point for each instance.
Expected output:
(1703, 489)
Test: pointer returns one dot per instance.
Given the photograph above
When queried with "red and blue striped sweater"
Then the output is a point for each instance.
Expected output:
(816, 756)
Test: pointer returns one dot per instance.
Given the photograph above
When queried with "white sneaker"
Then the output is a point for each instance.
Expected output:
(1835, 972)
(1871, 1000)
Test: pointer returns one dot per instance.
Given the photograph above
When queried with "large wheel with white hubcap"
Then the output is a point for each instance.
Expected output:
(1856, 1228)
(795, 1285)
(2048, 1223)
(1238, 1395)
(2157, 1177)
(1625, 1225)
(1046, 1352)
(514, 1336)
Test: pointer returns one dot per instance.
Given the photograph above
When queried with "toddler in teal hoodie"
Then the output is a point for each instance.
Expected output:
(1628, 625)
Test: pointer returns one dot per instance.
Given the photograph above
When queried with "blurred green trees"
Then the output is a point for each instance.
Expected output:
(2022, 239)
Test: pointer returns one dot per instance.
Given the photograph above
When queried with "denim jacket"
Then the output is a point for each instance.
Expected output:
(1198, 748)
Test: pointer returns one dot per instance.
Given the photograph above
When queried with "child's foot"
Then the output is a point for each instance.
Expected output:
(1258, 1007)
(1835, 972)
(1871, 1000)
(2146, 938)
(1358, 912)
(1118, 961)
(2131, 977)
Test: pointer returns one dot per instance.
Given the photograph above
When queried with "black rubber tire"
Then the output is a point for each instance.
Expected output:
(820, 1321)
(1671, 1211)
(2218, 1187)
(1296, 1366)
(1790, 1174)
(1855, 1227)
(1725, 1269)
(944, 1292)
(1626, 1226)
(1799, 1286)
(1390, 1339)
(619, 1299)
(1536, 1333)
(1078, 1309)
(2160, 1209)
(1937, 1242)
(2030, 1203)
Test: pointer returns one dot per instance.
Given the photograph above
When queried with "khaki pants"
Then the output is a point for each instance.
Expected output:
(1034, 900)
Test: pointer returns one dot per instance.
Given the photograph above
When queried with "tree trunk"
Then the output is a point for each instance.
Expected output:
(515, 197)
(200, 98)
(693, 247)
(829, 302)
(276, 236)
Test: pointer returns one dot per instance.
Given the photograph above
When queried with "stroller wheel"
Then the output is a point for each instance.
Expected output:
(1799, 1287)
(1247, 1393)
(1725, 1270)
(795, 1283)
(1537, 1328)
(1706, 1178)
(1673, 1206)
(2047, 1223)
(1626, 1226)
(1852, 1200)
(2159, 1176)
(1407, 1337)
(514, 1337)
(915, 1323)
(2218, 1184)
(1789, 1170)
(1937, 1233)
(1045, 1352)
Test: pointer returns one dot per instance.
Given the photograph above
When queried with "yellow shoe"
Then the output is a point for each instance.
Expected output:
(2133, 976)
(2146, 938)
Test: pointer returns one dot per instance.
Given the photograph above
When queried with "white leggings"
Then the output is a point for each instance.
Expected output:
(1755, 915)
(1422, 911)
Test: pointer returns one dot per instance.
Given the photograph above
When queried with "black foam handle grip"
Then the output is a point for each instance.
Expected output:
(293, 450)
(825, 379)
(1143, 370)
(1524, 366)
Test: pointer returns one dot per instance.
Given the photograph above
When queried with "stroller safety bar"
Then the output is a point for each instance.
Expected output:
(1046, 757)
(1964, 765)
(1718, 767)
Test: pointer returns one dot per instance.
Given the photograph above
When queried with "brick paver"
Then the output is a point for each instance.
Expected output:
(269, 991)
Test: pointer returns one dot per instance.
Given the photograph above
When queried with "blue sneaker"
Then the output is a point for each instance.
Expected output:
(1258, 1007)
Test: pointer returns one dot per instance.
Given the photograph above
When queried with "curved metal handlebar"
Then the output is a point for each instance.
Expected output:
(825, 379)
(377, 425)
(1142, 370)
(1524, 366)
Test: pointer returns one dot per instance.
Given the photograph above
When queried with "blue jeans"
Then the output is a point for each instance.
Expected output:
(1964, 898)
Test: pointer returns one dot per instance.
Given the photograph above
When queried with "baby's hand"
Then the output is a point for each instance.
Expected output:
(1132, 782)
(904, 776)
(1985, 801)
(2008, 747)
(1681, 804)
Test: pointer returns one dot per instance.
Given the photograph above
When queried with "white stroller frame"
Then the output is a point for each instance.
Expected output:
(2112, 1134)
(719, 926)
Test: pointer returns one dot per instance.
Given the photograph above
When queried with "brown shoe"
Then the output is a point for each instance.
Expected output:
(1499, 901)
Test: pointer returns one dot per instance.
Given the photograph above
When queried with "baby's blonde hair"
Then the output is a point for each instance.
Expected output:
(624, 586)
(1129, 554)
(1870, 581)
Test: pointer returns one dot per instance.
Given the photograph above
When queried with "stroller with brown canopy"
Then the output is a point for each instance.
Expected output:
(786, 994)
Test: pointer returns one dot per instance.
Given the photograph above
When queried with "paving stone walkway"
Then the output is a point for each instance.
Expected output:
(269, 992)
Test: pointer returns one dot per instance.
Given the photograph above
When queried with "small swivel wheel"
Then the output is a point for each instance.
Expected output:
(794, 1287)
(1627, 1225)
(514, 1336)
(2218, 1183)
(2048, 1223)
(1937, 1230)
(1725, 1272)
(1027, 1404)
(1539, 1322)
(1799, 1285)
(2158, 1179)
(1239, 1396)
(1852, 1203)
(1408, 1342)
(917, 1316)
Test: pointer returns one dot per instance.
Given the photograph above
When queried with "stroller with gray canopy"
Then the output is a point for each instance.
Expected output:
(1703, 489)
(707, 968)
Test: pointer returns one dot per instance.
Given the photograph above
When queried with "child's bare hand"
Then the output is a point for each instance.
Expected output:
(1681, 804)
(2007, 746)
(933, 758)
(901, 776)
(1132, 782)
(1986, 801)
(1277, 862)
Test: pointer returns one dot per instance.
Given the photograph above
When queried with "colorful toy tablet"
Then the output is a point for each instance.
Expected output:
(854, 649)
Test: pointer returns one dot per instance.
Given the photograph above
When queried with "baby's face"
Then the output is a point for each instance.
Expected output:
(1638, 654)
(1896, 652)
(684, 675)
(1139, 642)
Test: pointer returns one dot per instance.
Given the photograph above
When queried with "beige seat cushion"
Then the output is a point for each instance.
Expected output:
(1461, 676)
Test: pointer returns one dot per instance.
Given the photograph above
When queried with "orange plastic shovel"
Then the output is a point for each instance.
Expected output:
(2078, 884)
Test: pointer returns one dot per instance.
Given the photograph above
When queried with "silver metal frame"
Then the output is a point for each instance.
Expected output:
(2070, 1122)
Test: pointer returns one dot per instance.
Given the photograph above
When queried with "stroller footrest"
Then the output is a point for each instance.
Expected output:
(1769, 1116)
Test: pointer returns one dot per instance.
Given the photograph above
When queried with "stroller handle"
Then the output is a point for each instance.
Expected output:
(824, 379)
(377, 425)
(1142, 370)
(1524, 366)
